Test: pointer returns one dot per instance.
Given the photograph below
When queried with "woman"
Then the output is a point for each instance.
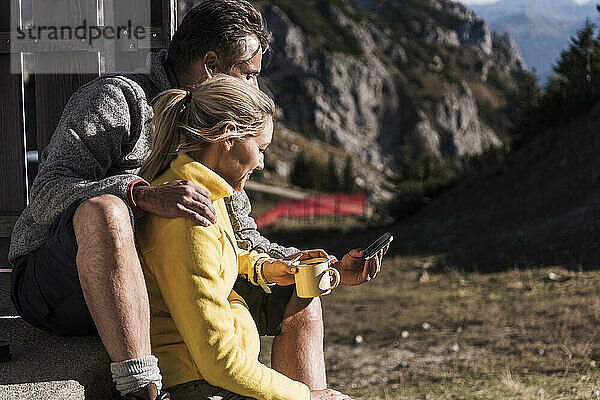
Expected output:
(202, 332)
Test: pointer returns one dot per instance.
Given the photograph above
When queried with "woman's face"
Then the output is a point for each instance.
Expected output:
(246, 155)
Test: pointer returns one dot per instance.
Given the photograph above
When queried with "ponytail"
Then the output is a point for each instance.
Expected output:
(166, 136)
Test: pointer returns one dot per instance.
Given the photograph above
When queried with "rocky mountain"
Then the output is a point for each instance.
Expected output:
(360, 78)
(542, 28)
(369, 76)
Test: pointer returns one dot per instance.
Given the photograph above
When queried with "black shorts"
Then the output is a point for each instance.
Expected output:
(47, 293)
(266, 309)
(45, 286)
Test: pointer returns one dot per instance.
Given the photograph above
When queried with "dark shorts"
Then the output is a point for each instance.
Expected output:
(266, 309)
(46, 290)
(45, 283)
(202, 390)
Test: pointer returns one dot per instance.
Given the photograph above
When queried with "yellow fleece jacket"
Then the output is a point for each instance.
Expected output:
(201, 328)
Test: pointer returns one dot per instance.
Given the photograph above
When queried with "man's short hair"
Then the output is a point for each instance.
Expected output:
(221, 26)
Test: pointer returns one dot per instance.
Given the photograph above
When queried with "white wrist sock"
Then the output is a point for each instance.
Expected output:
(132, 375)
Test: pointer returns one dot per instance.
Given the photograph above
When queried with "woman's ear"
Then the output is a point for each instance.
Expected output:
(228, 143)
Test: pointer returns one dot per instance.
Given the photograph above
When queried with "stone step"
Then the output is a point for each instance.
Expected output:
(46, 366)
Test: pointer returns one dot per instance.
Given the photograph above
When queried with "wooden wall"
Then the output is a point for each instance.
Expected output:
(13, 180)
(53, 89)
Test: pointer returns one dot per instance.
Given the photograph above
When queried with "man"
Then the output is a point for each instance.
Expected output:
(75, 266)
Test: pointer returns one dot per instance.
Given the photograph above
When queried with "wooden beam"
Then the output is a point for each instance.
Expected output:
(13, 176)
(160, 18)
(6, 227)
(63, 73)
(4, 246)
(128, 55)
(169, 20)
(7, 222)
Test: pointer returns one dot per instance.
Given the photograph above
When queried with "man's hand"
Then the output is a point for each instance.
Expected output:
(176, 199)
(328, 394)
(355, 270)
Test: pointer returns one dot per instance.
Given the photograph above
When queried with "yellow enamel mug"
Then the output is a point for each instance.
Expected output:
(313, 278)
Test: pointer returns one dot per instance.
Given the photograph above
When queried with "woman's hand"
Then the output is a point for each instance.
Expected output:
(308, 254)
(280, 272)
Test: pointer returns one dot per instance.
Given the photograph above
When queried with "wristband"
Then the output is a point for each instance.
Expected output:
(130, 198)
(259, 276)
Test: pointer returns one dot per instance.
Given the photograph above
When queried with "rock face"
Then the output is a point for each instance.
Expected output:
(507, 52)
(349, 101)
(458, 130)
(364, 101)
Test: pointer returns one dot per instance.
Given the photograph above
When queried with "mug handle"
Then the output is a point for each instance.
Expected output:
(336, 275)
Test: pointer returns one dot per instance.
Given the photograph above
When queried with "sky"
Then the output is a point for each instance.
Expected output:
(495, 1)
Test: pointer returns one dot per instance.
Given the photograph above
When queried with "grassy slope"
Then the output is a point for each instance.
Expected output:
(541, 208)
(286, 146)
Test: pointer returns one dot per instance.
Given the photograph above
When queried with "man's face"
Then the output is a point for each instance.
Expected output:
(249, 70)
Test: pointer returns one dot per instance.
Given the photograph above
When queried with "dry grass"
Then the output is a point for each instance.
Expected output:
(519, 334)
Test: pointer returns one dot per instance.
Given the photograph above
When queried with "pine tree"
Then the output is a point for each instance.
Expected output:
(571, 91)
(527, 125)
(309, 173)
(301, 172)
(578, 66)
(333, 180)
(349, 180)
(432, 167)
(404, 160)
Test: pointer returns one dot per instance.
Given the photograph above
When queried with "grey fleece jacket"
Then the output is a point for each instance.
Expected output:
(103, 137)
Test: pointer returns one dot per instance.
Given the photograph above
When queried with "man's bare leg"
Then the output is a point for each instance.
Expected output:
(298, 350)
(112, 279)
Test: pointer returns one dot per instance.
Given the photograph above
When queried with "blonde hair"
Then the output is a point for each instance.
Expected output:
(190, 121)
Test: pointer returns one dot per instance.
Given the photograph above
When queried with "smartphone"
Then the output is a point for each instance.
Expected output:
(377, 245)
